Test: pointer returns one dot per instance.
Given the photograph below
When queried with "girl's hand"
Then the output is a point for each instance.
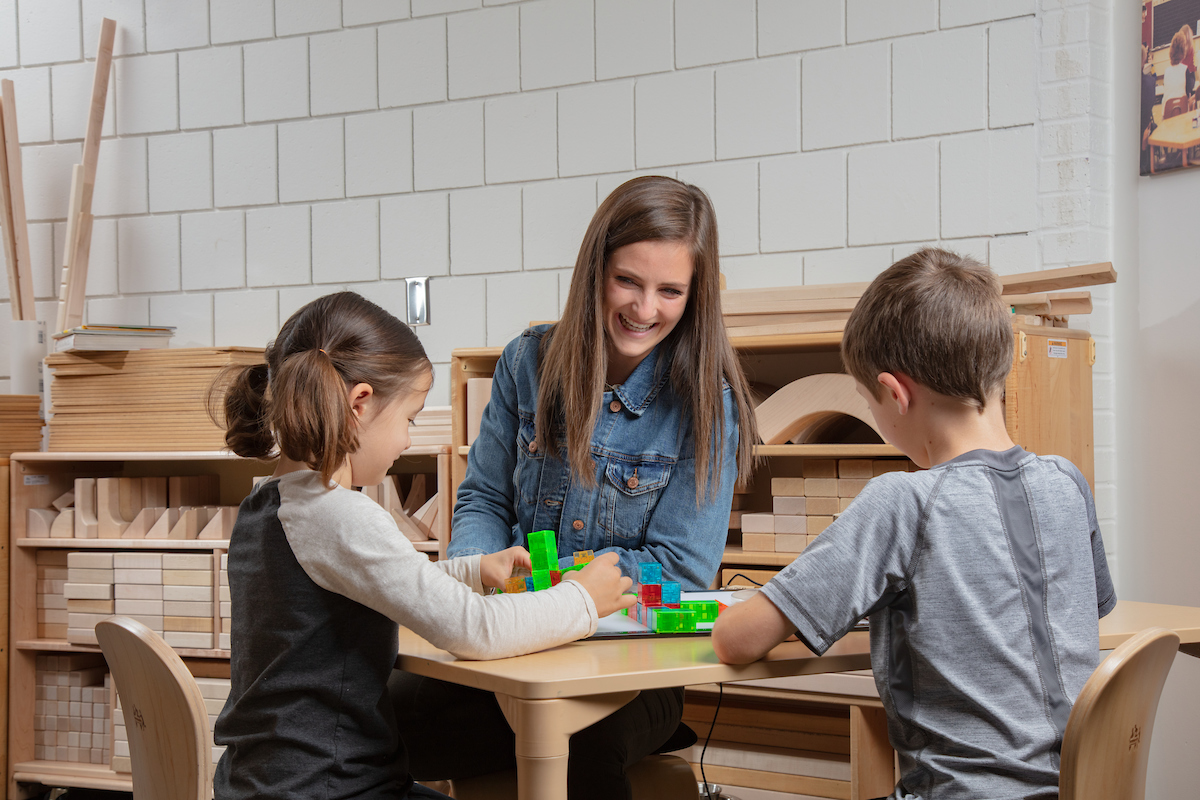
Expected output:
(496, 568)
(604, 582)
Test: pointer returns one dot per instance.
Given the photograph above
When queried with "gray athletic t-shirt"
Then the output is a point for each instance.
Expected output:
(984, 579)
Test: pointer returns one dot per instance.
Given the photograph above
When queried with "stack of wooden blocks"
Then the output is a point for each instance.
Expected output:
(226, 605)
(52, 612)
(89, 593)
(138, 589)
(215, 692)
(20, 424)
(71, 709)
(430, 427)
(804, 506)
(188, 599)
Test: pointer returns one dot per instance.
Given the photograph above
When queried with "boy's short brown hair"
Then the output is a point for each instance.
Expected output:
(937, 317)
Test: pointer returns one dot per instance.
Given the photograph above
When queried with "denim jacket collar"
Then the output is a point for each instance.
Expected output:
(645, 382)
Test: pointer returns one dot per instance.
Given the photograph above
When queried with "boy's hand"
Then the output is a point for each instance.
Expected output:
(604, 582)
(496, 568)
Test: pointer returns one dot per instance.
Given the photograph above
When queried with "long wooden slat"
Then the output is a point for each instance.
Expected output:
(783, 299)
(73, 207)
(820, 326)
(79, 254)
(1050, 280)
(9, 244)
(16, 194)
(1052, 304)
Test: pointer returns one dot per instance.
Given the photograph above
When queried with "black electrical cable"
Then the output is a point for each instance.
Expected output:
(707, 739)
(743, 577)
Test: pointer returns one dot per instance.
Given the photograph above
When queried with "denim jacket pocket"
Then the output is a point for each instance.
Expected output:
(527, 476)
(630, 492)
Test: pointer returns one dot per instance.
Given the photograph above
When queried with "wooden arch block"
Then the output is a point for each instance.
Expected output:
(803, 403)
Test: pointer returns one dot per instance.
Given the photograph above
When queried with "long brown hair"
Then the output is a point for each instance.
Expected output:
(296, 403)
(574, 357)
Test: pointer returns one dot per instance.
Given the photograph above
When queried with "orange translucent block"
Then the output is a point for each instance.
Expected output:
(584, 557)
(513, 585)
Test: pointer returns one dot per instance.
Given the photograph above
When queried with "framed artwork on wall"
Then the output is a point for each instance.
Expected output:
(1170, 119)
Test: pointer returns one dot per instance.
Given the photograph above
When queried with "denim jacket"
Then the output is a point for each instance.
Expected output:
(643, 505)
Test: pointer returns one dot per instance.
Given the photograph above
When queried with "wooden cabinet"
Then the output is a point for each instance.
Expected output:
(36, 480)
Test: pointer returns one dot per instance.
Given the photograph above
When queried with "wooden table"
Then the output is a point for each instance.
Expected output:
(548, 696)
(1176, 133)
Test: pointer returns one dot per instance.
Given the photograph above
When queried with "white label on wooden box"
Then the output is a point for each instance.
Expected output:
(37, 480)
(1056, 348)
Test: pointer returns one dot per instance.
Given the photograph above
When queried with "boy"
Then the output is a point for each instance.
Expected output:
(983, 576)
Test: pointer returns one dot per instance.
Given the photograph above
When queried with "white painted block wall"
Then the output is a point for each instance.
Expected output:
(259, 153)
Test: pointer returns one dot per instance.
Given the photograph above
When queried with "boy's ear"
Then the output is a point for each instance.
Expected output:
(897, 388)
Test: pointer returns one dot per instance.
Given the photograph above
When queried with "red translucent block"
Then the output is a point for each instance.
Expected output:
(650, 594)
(555, 577)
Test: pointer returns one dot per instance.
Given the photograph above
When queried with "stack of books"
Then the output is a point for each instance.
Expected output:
(138, 399)
(113, 337)
(20, 424)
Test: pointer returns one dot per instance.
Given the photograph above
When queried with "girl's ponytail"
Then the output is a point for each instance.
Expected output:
(247, 429)
(313, 420)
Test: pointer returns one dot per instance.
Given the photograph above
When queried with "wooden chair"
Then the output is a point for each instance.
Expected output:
(1107, 742)
(170, 746)
(655, 777)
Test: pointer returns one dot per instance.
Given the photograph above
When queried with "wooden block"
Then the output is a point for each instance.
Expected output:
(735, 520)
(819, 468)
(161, 529)
(84, 620)
(138, 591)
(1050, 280)
(844, 503)
(820, 487)
(181, 608)
(188, 594)
(389, 493)
(818, 524)
(86, 524)
(189, 639)
(787, 487)
(740, 576)
(822, 506)
(220, 526)
(855, 468)
(64, 525)
(758, 542)
(191, 521)
(93, 606)
(417, 495)
(137, 560)
(51, 558)
(187, 561)
(108, 508)
(788, 505)
(151, 607)
(151, 621)
(850, 487)
(787, 523)
(83, 559)
(39, 522)
(90, 576)
(757, 523)
(809, 400)
(425, 515)
(790, 542)
(52, 631)
(153, 576)
(53, 616)
(881, 466)
(193, 490)
(411, 530)
(64, 500)
(187, 577)
(199, 624)
(479, 392)
(143, 522)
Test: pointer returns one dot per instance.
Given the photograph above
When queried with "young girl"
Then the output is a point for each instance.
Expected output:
(319, 575)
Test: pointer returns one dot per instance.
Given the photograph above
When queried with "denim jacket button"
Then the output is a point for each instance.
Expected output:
(614, 406)
(632, 483)
(533, 446)
(577, 524)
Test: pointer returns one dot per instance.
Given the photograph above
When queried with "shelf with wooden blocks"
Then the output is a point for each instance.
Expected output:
(83, 529)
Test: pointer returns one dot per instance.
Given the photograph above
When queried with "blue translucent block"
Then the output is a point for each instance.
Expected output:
(649, 572)
(529, 584)
(670, 593)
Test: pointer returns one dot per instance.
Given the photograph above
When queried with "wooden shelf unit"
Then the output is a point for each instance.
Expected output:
(38, 478)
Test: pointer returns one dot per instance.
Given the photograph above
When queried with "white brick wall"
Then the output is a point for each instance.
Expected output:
(258, 153)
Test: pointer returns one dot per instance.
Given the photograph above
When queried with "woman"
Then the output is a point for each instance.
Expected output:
(640, 392)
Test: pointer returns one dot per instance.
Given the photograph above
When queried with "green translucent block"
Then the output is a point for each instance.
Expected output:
(543, 550)
(706, 610)
(687, 620)
(541, 579)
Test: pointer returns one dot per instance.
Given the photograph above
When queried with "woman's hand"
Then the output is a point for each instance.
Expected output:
(604, 582)
(496, 568)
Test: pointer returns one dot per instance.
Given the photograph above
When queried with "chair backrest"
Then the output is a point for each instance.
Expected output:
(1107, 743)
(1174, 107)
(169, 742)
